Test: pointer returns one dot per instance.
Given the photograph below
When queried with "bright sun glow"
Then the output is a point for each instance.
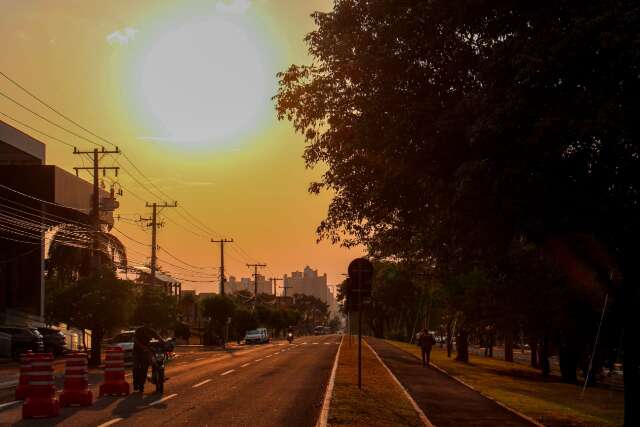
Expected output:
(205, 81)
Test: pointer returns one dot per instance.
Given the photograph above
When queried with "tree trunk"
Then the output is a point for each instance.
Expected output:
(544, 357)
(96, 347)
(508, 344)
(449, 338)
(569, 360)
(533, 346)
(631, 343)
(462, 346)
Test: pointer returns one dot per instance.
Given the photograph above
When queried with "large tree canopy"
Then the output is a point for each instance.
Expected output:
(453, 129)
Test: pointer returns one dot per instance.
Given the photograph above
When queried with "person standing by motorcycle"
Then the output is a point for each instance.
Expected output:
(142, 355)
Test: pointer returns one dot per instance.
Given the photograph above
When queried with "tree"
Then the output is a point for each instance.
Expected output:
(218, 308)
(451, 130)
(100, 303)
(242, 321)
(155, 309)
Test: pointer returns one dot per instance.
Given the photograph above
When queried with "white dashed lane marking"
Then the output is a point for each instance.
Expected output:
(202, 383)
(164, 399)
(245, 365)
(227, 372)
(110, 422)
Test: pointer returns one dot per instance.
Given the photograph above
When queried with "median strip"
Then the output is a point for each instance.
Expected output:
(227, 372)
(202, 383)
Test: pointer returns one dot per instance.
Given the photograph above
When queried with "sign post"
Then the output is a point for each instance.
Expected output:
(360, 277)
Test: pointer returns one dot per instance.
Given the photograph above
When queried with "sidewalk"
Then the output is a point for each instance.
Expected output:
(445, 401)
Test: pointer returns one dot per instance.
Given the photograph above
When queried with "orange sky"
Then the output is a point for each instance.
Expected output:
(183, 88)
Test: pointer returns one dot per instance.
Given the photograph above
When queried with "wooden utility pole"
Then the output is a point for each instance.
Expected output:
(274, 285)
(222, 278)
(255, 280)
(284, 289)
(96, 155)
(153, 223)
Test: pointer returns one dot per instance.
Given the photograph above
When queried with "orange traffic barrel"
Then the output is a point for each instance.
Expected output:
(114, 382)
(76, 381)
(41, 401)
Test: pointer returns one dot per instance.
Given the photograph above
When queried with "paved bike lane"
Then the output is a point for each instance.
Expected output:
(444, 401)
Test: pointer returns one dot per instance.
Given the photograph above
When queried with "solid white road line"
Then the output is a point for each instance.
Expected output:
(324, 411)
(245, 365)
(202, 383)
(9, 404)
(227, 373)
(110, 422)
(164, 399)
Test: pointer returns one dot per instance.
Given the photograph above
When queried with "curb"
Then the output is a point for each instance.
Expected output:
(420, 412)
(326, 403)
(513, 411)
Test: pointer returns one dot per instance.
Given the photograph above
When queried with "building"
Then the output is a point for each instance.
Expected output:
(36, 200)
(308, 282)
(248, 284)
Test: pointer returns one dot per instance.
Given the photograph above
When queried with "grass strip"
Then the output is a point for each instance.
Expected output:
(380, 403)
(522, 388)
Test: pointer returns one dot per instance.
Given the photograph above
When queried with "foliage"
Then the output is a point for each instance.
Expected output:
(100, 302)
(493, 143)
(155, 308)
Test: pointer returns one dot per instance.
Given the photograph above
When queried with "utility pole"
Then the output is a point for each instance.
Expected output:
(255, 280)
(274, 285)
(222, 278)
(284, 288)
(95, 209)
(153, 223)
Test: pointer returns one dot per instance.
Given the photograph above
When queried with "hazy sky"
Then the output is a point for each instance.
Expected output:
(184, 88)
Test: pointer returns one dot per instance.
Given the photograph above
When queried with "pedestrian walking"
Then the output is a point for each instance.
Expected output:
(426, 342)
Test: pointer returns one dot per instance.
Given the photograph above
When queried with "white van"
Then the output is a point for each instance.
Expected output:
(257, 336)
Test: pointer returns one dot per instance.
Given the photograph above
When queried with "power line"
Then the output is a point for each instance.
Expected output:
(38, 131)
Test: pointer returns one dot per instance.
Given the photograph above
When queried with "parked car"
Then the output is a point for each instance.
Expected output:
(124, 340)
(257, 336)
(54, 341)
(23, 339)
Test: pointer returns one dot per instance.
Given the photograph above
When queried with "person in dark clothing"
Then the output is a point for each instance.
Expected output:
(142, 355)
(426, 342)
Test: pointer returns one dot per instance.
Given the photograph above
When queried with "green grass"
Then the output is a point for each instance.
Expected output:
(380, 403)
(522, 388)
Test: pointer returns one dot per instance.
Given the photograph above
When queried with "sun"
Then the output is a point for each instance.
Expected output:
(204, 81)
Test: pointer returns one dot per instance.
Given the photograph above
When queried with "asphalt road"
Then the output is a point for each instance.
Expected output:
(271, 385)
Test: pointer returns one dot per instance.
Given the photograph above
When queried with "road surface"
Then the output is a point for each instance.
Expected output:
(271, 385)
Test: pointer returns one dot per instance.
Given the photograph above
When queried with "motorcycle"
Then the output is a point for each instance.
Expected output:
(161, 354)
(290, 337)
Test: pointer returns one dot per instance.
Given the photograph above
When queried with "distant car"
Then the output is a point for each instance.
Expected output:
(320, 330)
(23, 339)
(54, 340)
(124, 340)
(257, 336)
